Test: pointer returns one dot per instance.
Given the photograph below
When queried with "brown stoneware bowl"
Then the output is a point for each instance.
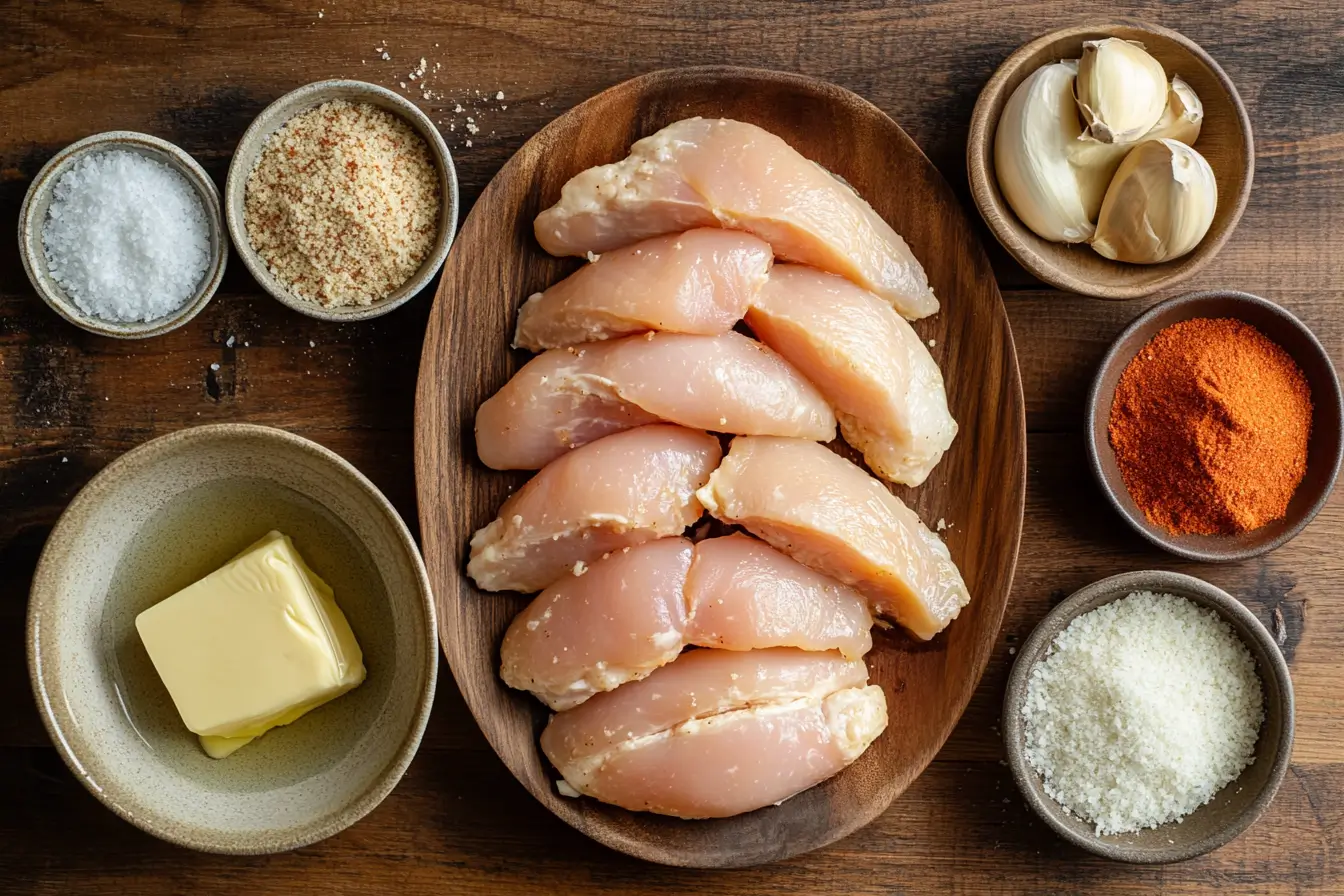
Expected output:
(254, 140)
(1225, 141)
(33, 217)
(1234, 808)
(1324, 451)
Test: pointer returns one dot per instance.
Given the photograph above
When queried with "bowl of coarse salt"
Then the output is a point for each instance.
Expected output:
(123, 234)
(1149, 718)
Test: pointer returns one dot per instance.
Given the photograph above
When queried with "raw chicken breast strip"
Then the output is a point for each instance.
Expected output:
(830, 515)
(869, 364)
(622, 618)
(717, 172)
(568, 397)
(623, 490)
(744, 595)
(695, 282)
(635, 610)
(718, 733)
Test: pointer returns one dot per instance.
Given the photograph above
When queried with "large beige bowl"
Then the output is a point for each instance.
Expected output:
(156, 520)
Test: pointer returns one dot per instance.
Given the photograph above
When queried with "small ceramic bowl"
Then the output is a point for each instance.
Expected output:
(1225, 140)
(1234, 808)
(33, 216)
(1324, 451)
(271, 119)
(154, 521)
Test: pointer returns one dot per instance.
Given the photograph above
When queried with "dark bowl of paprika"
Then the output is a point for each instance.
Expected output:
(1224, 440)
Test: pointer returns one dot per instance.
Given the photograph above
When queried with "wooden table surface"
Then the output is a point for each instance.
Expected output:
(196, 73)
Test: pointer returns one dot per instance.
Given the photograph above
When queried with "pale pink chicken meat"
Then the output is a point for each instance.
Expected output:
(698, 282)
(623, 490)
(717, 172)
(868, 362)
(620, 619)
(634, 610)
(567, 397)
(743, 594)
(830, 515)
(718, 733)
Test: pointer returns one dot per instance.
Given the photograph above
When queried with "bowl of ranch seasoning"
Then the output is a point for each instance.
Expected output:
(1149, 718)
(123, 234)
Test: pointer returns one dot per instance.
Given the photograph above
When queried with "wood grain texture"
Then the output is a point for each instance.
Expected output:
(1224, 140)
(197, 73)
(496, 264)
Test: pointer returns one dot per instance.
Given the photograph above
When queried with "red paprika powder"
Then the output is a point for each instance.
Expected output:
(1210, 425)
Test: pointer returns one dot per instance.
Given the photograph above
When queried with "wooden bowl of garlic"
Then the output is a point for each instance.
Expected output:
(1112, 160)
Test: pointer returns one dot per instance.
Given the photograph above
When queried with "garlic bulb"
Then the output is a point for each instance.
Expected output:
(1097, 161)
(1121, 90)
(1159, 206)
(1031, 155)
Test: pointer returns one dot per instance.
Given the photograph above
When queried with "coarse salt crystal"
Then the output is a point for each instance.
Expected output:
(126, 236)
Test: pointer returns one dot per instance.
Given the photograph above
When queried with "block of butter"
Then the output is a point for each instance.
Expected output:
(255, 644)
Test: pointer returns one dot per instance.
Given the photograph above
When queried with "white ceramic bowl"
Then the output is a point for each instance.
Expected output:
(157, 519)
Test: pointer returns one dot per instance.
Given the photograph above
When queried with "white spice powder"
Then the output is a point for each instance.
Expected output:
(343, 204)
(126, 236)
(1143, 709)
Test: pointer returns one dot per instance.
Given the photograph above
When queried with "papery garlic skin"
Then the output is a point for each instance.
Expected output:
(1031, 155)
(1097, 162)
(1121, 90)
(1159, 206)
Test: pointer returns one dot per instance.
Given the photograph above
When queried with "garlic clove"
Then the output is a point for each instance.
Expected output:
(1121, 90)
(1031, 155)
(1097, 162)
(1159, 205)
(1182, 118)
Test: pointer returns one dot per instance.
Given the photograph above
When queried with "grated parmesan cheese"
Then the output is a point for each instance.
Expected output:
(1142, 710)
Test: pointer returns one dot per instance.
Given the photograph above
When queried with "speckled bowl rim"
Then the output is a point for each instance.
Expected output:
(36, 267)
(1033, 650)
(43, 593)
(1136, 522)
(271, 119)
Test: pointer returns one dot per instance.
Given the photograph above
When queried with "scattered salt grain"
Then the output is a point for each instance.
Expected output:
(1142, 710)
(228, 343)
(214, 366)
(126, 236)
(499, 95)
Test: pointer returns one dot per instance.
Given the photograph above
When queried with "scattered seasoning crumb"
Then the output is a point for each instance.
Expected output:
(942, 524)
(343, 204)
(468, 144)
(932, 343)
(228, 343)
(214, 366)
(387, 55)
(247, 345)
(65, 460)
(1012, 651)
(499, 95)
(312, 344)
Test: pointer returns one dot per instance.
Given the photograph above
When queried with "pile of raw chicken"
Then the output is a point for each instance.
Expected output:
(639, 367)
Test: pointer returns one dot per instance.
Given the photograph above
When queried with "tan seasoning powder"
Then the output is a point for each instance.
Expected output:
(343, 203)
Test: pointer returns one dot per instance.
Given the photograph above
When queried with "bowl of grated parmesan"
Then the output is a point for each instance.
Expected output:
(1149, 718)
(342, 200)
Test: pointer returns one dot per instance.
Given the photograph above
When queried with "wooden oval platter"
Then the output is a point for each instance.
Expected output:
(978, 489)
